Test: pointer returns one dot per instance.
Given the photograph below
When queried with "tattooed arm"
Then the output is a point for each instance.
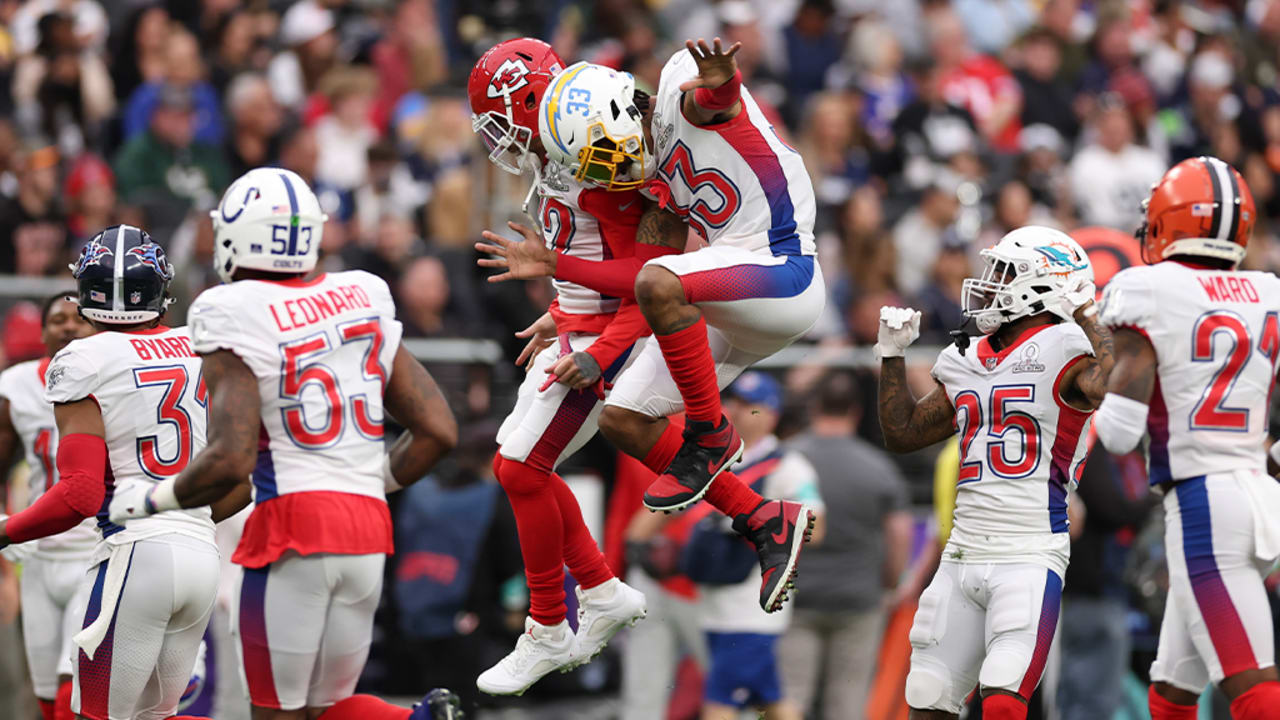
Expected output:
(232, 450)
(909, 424)
(663, 228)
(1134, 374)
(1086, 385)
(415, 401)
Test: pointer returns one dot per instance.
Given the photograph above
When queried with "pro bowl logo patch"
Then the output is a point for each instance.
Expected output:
(512, 75)
(1029, 361)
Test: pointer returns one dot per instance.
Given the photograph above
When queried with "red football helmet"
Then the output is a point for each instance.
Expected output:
(505, 88)
(1201, 207)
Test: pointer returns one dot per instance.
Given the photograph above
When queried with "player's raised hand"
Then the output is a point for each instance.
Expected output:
(899, 327)
(1078, 298)
(541, 334)
(522, 259)
(715, 64)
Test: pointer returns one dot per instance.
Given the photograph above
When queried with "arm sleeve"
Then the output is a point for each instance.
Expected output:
(78, 494)
(616, 278)
(1127, 301)
(627, 326)
(71, 376)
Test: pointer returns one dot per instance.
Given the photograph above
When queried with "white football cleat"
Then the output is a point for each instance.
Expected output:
(542, 649)
(603, 611)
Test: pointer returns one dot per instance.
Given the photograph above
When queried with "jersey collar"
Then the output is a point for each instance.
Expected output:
(295, 282)
(147, 331)
(990, 358)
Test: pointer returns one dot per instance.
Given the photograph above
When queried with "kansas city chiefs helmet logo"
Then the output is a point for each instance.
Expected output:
(511, 76)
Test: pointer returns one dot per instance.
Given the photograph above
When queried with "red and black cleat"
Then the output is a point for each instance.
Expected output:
(778, 529)
(708, 450)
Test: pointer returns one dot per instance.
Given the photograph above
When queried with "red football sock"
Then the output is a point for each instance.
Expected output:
(664, 451)
(1260, 702)
(541, 530)
(1162, 709)
(62, 705)
(689, 358)
(998, 706)
(46, 708)
(365, 707)
(581, 553)
(731, 496)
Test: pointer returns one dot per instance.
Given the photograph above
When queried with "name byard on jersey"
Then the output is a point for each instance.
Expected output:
(310, 309)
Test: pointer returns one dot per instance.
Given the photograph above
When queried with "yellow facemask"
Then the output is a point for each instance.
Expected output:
(603, 165)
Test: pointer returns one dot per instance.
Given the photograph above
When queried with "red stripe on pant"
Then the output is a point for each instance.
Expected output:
(95, 675)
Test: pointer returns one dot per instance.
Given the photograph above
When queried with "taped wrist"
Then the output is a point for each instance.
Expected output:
(1121, 422)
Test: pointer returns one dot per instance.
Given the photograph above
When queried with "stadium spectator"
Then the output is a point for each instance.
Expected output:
(979, 83)
(1047, 99)
(345, 134)
(812, 46)
(834, 159)
(917, 237)
(62, 92)
(255, 120)
(33, 231)
(995, 24)
(1111, 175)
(234, 44)
(184, 68)
(940, 299)
(139, 48)
(878, 75)
(828, 655)
(90, 191)
(308, 31)
(165, 172)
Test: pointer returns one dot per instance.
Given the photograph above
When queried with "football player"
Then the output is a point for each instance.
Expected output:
(53, 596)
(1021, 400)
(1196, 348)
(714, 312)
(302, 373)
(595, 325)
(129, 404)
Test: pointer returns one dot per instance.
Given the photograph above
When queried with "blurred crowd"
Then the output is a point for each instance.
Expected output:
(930, 128)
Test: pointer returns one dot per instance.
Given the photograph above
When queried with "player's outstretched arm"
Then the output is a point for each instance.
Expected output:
(1121, 419)
(908, 424)
(82, 464)
(717, 88)
(414, 400)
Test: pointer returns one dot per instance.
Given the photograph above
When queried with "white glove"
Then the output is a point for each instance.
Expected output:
(131, 502)
(899, 327)
(1078, 293)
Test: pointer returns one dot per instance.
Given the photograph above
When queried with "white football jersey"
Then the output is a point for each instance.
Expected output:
(322, 351)
(1021, 447)
(148, 386)
(32, 417)
(589, 223)
(736, 183)
(1216, 339)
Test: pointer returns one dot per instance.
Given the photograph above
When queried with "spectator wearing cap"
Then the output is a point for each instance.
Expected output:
(165, 172)
(742, 639)
(1047, 99)
(1111, 175)
(309, 34)
(829, 654)
(33, 228)
(184, 68)
(256, 120)
(90, 191)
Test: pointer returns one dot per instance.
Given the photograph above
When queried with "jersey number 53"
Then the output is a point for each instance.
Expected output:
(307, 363)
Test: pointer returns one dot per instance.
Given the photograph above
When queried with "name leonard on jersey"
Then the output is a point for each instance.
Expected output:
(311, 309)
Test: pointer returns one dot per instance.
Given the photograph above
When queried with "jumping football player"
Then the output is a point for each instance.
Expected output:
(715, 311)
(1196, 348)
(595, 327)
(1021, 400)
(53, 594)
(301, 375)
(129, 403)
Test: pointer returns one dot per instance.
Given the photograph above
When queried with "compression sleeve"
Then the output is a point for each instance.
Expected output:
(78, 494)
(627, 326)
(615, 278)
(1121, 422)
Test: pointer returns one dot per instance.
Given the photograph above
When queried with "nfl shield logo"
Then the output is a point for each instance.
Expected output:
(135, 297)
(97, 296)
(991, 363)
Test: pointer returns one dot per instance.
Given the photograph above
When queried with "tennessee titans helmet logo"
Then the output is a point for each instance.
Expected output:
(153, 257)
(92, 254)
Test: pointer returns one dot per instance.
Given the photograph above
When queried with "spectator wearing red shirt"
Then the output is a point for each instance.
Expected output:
(976, 82)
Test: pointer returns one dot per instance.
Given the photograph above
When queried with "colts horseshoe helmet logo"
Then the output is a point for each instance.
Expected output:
(511, 76)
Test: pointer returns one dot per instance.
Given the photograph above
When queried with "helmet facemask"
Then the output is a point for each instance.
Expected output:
(613, 163)
(988, 298)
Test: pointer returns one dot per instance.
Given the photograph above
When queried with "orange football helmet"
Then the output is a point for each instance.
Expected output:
(1201, 207)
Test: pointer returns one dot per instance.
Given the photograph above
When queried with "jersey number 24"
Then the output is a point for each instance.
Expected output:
(1212, 412)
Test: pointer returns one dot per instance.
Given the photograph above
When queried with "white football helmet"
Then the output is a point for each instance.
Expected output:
(589, 123)
(270, 220)
(1026, 273)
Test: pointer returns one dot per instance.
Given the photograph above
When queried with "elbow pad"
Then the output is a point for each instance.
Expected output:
(1121, 423)
(82, 464)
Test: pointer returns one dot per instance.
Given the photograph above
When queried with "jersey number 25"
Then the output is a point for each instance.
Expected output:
(1013, 436)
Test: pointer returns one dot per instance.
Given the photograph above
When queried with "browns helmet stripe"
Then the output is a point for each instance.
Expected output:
(1235, 205)
(1216, 224)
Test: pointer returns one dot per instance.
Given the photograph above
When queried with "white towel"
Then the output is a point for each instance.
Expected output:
(117, 567)
(1264, 500)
